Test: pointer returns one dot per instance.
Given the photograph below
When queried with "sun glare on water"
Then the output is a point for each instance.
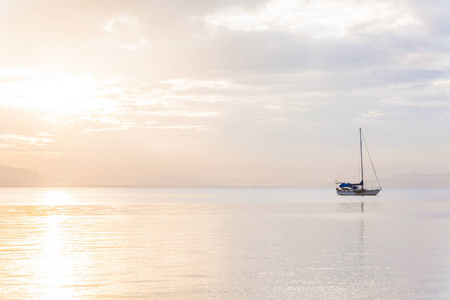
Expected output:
(56, 197)
(55, 268)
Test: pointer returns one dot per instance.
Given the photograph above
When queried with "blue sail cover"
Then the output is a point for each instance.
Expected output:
(346, 184)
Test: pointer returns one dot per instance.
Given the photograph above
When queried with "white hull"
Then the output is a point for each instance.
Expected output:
(358, 192)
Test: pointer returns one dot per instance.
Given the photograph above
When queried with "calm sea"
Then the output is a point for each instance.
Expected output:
(232, 243)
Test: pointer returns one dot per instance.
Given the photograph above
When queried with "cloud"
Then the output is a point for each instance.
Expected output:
(17, 74)
(127, 85)
(371, 116)
(320, 19)
(175, 113)
(19, 142)
(180, 127)
(125, 31)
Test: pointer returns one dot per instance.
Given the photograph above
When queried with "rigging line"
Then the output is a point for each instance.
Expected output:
(373, 167)
(351, 164)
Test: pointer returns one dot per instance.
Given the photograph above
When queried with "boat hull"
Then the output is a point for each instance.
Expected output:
(358, 192)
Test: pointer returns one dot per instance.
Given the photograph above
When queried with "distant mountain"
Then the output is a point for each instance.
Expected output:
(17, 177)
(417, 180)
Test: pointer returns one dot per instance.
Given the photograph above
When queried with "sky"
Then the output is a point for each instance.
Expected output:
(223, 92)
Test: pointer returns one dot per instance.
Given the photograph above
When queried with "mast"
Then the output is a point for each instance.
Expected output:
(360, 148)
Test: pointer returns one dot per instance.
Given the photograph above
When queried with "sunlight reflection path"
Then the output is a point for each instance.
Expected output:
(55, 267)
(56, 261)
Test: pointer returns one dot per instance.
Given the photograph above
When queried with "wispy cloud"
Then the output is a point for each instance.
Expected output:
(125, 31)
(19, 141)
(371, 117)
(179, 113)
(17, 74)
(180, 127)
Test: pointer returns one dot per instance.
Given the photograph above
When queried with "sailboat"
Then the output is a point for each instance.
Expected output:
(358, 189)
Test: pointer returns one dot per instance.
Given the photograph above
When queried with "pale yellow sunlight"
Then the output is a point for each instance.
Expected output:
(54, 94)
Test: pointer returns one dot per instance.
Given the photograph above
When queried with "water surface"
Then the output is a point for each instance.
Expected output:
(223, 244)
